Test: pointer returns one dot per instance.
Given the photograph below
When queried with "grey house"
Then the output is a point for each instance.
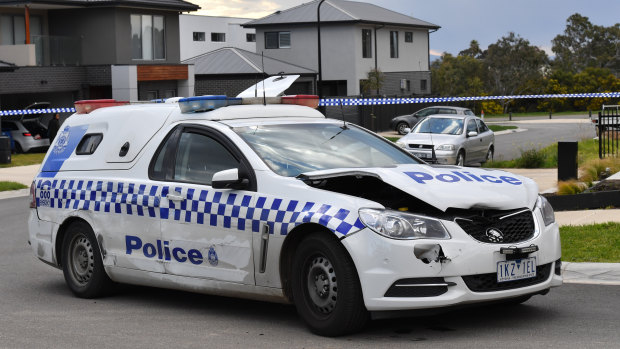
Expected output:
(231, 70)
(84, 49)
(355, 38)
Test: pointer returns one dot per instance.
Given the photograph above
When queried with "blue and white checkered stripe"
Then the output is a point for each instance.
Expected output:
(374, 101)
(222, 209)
(36, 111)
(385, 101)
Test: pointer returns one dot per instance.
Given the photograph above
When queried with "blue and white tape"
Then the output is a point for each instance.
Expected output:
(36, 111)
(374, 101)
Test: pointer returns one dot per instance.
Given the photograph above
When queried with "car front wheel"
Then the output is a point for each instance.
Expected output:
(460, 159)
(326, 289)
(400, 128)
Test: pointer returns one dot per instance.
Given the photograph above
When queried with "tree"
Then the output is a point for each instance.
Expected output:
(373, 82)
(473, 51)
(514, 66)
(586, 45)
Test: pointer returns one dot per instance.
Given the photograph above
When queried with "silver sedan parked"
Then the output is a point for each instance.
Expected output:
(450, 139)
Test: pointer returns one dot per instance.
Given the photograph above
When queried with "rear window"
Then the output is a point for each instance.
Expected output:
(8, 126)
(469, 112)
(89, 144)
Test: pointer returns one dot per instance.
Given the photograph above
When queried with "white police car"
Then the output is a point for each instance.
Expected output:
(275, 202)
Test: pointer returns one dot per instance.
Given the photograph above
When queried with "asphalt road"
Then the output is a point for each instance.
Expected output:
(540, 133)
(38, 311)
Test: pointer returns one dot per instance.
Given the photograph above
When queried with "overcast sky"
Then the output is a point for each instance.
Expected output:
(461, 21)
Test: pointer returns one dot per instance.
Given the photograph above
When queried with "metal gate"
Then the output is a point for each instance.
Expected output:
(608, 131)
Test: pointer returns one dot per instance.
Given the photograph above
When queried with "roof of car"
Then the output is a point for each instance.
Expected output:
(447, 106)
(451, 116)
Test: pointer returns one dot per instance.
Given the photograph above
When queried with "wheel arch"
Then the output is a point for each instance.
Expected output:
(291, 244)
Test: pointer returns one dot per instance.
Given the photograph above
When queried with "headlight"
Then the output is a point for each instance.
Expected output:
(546, 210)
(401, 144)
(402, 225)
(445, 147)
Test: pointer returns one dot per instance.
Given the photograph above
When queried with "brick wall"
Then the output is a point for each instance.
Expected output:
(391, 85)
(220, 85)
(42, 79)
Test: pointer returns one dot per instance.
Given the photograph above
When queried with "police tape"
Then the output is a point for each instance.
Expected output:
(387, 101)
(372, 101)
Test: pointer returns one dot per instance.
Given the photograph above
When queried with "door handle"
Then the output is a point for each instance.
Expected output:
(175, 197)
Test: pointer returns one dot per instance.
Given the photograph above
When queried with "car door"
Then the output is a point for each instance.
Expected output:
(472, 144)
(203, 229)
(486, 136)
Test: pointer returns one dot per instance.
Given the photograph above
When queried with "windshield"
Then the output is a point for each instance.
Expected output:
(292, 149)
(446, 126)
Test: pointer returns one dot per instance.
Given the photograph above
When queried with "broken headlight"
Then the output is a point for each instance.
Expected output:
(402, 225)
(546, 210)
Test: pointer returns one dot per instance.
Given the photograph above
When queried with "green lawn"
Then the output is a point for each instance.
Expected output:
(393, 139)
(497, 128)
(591, 243)
(25, 159)
(538, 113)
(4, 186)
(533, 157)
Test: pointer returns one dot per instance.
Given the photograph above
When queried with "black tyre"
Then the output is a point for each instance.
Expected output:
(18, 148)
(400, 128)
(326, 287)
(81, 262)
(489, 156)
(460, 159)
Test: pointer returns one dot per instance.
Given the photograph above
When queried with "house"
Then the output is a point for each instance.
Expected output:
(202, 34)
(355, 38)
(82, 49)
(231, 70)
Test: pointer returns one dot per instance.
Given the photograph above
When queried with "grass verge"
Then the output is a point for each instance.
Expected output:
(538, 113)
(547, 157)
(4, 186)
(25, 159)
(497, 128)
(591, 243)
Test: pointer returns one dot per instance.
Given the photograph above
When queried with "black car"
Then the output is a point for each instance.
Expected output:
(400, 123)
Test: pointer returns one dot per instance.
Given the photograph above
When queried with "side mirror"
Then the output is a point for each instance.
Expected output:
(229, 179)
(472, 134)
(407, 130)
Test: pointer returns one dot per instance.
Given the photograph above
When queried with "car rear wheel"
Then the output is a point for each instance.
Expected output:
(400, 128)
(460, 159)
(82, 265)
(18, 148)
(489, 156)
(326, 289)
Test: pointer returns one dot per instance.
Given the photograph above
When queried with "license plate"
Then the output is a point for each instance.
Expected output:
(517, 269)
(420, 155)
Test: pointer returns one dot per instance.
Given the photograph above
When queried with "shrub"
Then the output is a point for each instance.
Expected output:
(593, 170)
(531, 158)
(571, 187)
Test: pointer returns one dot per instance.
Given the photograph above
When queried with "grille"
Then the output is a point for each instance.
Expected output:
(500, 228)
(420, 290)
(488, 282)
(420, 146)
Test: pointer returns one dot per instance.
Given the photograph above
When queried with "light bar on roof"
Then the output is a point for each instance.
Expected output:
(87, 106)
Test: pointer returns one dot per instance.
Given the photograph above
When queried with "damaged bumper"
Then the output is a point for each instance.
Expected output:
(418, 274)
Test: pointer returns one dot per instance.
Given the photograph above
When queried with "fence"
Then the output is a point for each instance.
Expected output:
(608, 131)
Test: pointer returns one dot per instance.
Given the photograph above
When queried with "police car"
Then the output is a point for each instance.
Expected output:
(275, 202)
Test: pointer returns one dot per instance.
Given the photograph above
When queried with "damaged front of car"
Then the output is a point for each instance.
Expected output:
(448, 235)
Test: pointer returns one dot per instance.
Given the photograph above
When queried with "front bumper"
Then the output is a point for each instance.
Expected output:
(382, 262)
(441, 156)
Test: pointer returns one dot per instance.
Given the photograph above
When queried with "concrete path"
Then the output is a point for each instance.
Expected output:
(19, 174)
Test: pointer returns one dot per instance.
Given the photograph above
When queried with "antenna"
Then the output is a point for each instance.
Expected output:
(262, 61)
(344, 124)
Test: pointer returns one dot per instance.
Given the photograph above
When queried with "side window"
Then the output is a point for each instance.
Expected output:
(482, 127)
(447, 111)
(89, 144)
(471, 126)
(159, 167)
(469, 112)
(427, 112)
(199, 157)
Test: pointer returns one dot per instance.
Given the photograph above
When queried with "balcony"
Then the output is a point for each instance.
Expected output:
(44, 50)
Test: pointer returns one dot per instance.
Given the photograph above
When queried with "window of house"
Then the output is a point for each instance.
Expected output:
(148, 37)
(250, 37)
(218, 37)
(423, 85)
(393, 44)
(366, 43)
(13, 29)
(277, 40)
(408, 85)
(408, 36)
(199, 36)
